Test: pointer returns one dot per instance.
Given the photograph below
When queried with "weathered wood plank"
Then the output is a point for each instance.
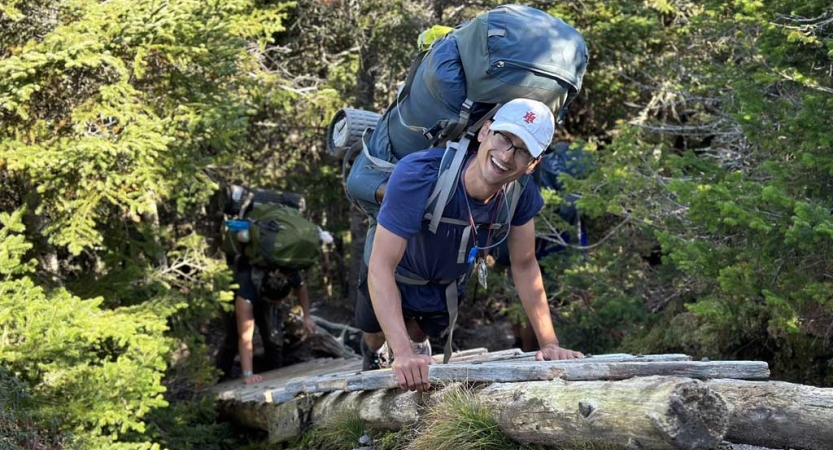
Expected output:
(463, 355)
(482, 356)
(570, 370)
(275, 380)
(285, 383)
(613, 357)
(351, 381)
(777, 414)
(749, 370)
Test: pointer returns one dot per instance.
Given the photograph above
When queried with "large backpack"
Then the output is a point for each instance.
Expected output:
(278, 234)
(281, 237)
(456, 85)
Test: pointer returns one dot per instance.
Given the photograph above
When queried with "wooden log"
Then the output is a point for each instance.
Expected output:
(283, 422)
(383, 410)
(776, 414)
(645, 413)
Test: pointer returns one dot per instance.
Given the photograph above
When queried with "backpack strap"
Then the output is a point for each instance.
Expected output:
(516, 189)
(375, 163)
(559, 120)
(450, 129)
(446, 181)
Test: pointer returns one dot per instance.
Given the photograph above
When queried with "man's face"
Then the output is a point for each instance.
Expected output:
(502, 157)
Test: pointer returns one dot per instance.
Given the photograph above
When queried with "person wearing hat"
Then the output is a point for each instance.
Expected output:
(395, 313)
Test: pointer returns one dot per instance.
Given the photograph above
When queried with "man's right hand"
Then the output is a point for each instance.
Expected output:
(412, 371)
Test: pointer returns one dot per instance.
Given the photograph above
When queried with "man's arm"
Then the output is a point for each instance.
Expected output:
(530, 286)
(411, 370)
(302, 294)
(244, 312)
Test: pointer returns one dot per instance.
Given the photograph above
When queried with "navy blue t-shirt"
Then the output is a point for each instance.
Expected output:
(434, 256)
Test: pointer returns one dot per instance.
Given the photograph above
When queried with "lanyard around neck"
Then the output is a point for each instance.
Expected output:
(502, 195)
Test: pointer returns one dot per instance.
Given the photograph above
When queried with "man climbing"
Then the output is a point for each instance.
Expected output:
(394, 308)
(267, 308)
(267, 245)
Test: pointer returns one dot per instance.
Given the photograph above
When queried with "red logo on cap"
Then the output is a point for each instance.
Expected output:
(529, 117)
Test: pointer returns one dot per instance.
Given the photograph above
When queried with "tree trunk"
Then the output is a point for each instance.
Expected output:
(775, 414)
(46, 253)
(648, 413)
(151, 218)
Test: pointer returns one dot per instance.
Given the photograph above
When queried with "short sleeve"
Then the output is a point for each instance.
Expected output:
(246, 289)
(407, 193)
(296, 279)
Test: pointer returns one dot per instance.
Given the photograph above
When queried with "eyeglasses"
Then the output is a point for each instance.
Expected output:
(502, 142)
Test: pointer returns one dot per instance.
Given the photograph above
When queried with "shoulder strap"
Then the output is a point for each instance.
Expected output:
(446, 182)
(515, 190)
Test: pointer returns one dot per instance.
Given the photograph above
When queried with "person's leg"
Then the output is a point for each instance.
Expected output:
(246, 328)
(429, 325)
(415, 331)
(228, 351)
(529, 342)
(373, 339)
(269, 320)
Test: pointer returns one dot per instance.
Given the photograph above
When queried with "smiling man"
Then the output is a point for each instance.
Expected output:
(392, 309)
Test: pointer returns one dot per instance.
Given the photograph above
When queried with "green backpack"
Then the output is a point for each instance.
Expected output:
(279, 236)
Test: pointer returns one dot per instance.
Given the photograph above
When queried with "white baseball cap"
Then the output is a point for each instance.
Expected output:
(530, 120)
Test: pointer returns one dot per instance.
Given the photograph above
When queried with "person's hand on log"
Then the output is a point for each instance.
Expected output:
(412, 371)
(554, 352)
(309, 327)
(249, 378)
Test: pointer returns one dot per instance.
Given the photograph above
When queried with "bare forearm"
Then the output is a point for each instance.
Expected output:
(244, 347)
(303, 299)
(534, 300)
(387, 304)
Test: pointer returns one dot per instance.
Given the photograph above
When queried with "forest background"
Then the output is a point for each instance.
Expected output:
(710, 124)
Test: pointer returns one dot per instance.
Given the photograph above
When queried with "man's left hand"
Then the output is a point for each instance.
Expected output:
(552, 352)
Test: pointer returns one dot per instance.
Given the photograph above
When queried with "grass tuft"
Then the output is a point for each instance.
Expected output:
(338, 431)
(459, 421)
